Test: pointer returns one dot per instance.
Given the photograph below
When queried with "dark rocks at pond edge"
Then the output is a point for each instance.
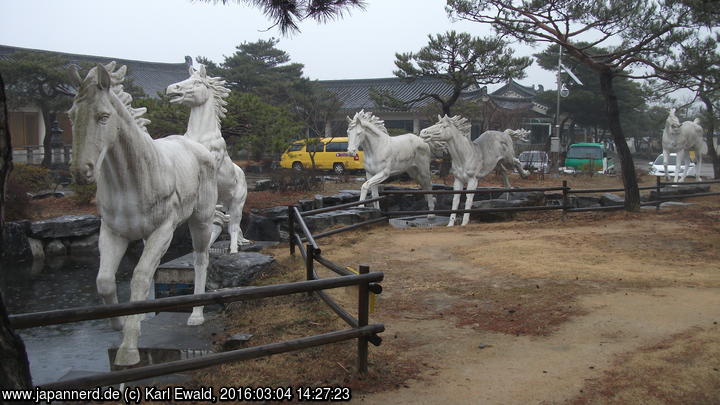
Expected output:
(263, 228)
(498, 203)
(55, 248)
(236, 269)
(679, 189)
(16, 246)
(67, 226)
(611, 200)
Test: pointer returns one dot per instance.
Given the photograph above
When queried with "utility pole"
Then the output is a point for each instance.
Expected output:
(555, 137)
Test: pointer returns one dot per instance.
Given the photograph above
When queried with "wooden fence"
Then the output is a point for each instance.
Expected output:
(565, 202)
(312, 254)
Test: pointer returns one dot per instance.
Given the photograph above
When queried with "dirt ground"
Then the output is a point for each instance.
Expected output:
(593, 308)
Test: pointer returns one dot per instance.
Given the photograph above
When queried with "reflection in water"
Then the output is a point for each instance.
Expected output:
(56, 284)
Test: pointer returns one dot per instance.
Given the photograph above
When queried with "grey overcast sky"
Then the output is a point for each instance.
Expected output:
(360, 45)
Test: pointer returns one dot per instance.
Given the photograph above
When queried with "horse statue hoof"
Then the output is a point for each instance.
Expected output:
(127, 357)
(195, 319)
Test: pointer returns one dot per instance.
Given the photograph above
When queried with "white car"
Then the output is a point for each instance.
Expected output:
(535, 161)
(657, 168)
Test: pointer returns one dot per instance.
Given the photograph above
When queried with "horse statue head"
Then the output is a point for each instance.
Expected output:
(358, 128)
(101, 111)
(198, 89)
(446, 129)
(672, 124)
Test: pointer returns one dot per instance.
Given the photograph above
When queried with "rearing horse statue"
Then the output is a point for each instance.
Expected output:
(205, 96)
(145, 188)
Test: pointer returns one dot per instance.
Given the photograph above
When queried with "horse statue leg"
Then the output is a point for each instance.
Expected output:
(371, 183)
(698, 169)
(518, 166)
(457, 186)
(678, 164)
(155, 247)
(200, 232)
(666, 158)
(375, 194)
(472, 185)
(112, 248)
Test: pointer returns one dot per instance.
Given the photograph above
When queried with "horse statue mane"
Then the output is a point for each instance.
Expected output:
(117, 77)
(518, 134)
(217, 88)
(368, 118)
(461, 123)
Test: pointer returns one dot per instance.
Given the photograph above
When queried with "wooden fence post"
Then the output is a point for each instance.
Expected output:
(291, 229)
(309, 264)
(565, 199)
(363, 315)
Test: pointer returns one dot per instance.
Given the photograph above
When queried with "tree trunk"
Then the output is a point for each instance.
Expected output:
(14, 367)
(632, 193)
(709, 136)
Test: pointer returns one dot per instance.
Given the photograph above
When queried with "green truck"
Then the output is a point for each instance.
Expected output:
(588, 158)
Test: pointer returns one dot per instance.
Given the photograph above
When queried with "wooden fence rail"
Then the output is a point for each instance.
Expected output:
(60, 316)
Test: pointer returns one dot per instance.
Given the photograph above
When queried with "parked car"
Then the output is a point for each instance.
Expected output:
(658, 169)
(588, 157)
(535, 161)
(330, 154)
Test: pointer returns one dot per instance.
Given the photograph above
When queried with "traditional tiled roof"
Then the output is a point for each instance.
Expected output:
(355, 94)
(152, 77)
(514, 89)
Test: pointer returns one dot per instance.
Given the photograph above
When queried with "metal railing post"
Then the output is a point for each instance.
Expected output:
(363, 315)
(565, 199)
(291, 229)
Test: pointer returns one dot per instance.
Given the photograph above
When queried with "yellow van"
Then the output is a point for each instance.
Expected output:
(331, 154)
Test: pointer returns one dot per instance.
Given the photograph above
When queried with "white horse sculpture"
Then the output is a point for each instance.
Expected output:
(145, 189)
(472, 161)
(206, 97)
(682, 138)
(386, 155)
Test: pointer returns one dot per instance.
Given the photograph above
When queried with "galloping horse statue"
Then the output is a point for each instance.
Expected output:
(472, 161)
(386, 155)
(206, 98)
(682, 138)
(145, 189)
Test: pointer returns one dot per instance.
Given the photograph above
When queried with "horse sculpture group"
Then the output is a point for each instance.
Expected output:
(163, 182)
(385, 155)
(182, 178)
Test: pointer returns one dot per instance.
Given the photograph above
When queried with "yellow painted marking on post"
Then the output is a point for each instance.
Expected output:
(372, 300)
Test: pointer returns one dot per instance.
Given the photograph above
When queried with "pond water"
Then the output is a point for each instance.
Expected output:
(64, 283)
